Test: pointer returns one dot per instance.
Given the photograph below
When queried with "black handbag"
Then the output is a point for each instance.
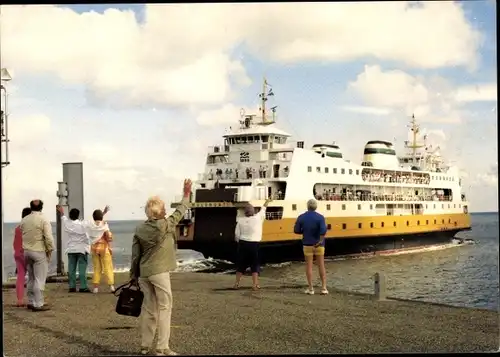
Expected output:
(130, 299)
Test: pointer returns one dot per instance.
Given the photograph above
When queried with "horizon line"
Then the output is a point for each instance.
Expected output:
(124, 220)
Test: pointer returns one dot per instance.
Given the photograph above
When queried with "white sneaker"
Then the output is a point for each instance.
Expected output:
(324, 291)
(112, 288)
(309, 291)
(95, 290)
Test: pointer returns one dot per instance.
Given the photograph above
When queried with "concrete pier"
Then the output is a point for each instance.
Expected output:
(210, 318)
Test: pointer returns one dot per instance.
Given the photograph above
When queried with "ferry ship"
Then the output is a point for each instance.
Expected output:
(385, 203)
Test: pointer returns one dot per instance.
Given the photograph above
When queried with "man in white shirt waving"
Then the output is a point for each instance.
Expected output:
(248, 234)
(78, 247)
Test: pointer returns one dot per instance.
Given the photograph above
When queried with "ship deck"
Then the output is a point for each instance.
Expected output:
(208, 318)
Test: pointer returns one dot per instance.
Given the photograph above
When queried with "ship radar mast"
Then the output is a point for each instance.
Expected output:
(415, 128)
(263, 98)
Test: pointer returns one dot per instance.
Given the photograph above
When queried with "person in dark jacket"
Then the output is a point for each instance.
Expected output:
(312, 226)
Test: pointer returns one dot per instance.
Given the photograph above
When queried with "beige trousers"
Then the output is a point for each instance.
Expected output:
(156, 310)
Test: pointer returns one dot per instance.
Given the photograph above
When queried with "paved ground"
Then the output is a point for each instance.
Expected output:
(209, 318)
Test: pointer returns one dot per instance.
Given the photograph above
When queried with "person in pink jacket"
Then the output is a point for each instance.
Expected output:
(19, 259)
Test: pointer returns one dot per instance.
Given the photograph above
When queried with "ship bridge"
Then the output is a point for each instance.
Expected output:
(255, 153)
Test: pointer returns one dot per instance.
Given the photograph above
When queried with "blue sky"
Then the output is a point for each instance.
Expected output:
(132, 89)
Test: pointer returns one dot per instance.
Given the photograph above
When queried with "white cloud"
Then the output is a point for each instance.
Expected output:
(377, 111)
(432, 99)
(227, 114)
(29, 130)
(391, 88)
(489, 178)
(477, 93)
(182, 54)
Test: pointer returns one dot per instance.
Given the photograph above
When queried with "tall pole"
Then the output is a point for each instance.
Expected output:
(4, 116)
(4, 278)
(264, 84)
(62, 194)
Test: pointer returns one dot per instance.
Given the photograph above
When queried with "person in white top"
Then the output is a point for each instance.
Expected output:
(248, 234)
(78, 247)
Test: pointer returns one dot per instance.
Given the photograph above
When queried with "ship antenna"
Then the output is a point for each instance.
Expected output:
(415, 128)
(263, 97)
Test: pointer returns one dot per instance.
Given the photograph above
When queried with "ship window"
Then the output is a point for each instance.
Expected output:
(265, 138)
(318, 169)
(455, 205)
(334, 170)
(449, 220)
(434, 206)
(328, 226)
(407, 223)
(449, 206)
(326, 170)
(435, 221)
(426, 222)
(425, 206)
(350, 171)
(459, 205)
(382, 224)
(344, 226)
(442, 221)
(442, 206)
(343, 207)
(359, 207)
(418, 223)
(342, 171)
(250, 140)
(371, 224)
(394, 223)
(360, 225)
(294, 207)
(455, 223)
(309, 169)
(357, 172)
(328, 207)
(371, 207)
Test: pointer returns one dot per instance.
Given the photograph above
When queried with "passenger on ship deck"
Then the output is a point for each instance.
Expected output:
(312, 226)
(153, 258)
(248, 234)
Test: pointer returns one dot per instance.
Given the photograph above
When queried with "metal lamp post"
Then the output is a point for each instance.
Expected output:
(4, 129)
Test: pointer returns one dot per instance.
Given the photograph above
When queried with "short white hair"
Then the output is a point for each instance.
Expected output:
(312, 205)
(155, 208)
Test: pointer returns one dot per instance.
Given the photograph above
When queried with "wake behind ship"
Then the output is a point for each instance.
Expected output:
(386, 203)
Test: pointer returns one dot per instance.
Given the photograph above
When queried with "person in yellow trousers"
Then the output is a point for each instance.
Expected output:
(101, 238)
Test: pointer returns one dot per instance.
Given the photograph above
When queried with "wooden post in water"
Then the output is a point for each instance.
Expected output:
(379, 286)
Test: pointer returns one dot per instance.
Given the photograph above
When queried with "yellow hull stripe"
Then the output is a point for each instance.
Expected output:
(350, 227)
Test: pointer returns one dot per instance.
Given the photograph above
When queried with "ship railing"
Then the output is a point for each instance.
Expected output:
(375, 197)
(402, 179)
(244, 175)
